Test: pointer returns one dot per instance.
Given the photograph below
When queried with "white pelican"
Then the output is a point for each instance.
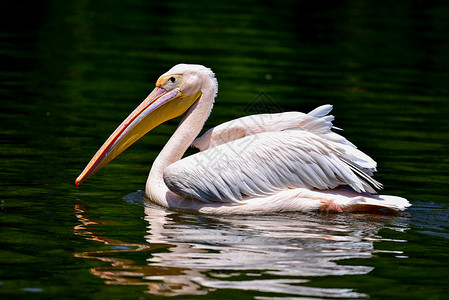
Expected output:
(256, 164)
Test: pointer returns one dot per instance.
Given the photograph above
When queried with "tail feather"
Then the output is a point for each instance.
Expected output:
(341, 199)
(379, 203)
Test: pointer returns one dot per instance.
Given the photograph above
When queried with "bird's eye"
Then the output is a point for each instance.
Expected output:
(172, 79)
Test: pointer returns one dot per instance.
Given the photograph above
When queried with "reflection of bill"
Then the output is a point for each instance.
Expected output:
(196, 254)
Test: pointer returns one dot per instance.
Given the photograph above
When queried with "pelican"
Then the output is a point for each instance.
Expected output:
(266, 163)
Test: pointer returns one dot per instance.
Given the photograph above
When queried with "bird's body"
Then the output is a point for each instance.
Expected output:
(256, 164)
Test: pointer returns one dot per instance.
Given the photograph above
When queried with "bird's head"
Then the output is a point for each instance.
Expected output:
(188, 79)
(175, 92)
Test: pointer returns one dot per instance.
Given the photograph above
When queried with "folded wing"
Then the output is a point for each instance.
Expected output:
(260, 155)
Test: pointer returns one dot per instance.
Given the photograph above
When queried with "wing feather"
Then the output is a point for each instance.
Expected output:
(265, 163)
(316, 121)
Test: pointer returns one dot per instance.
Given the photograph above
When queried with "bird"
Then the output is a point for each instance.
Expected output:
(256, 164)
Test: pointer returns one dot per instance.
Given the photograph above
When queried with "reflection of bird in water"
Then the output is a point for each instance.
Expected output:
(256, 164)
(187, 254)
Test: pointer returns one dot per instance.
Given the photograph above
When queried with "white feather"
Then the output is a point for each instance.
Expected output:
(315, 121)
(265, 163)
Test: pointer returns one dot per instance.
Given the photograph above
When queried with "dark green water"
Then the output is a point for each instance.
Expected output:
(73, 70)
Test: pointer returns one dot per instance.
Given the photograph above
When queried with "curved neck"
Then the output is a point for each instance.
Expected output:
(188, 129)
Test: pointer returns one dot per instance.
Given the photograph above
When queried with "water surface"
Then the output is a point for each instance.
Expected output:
(73, 70)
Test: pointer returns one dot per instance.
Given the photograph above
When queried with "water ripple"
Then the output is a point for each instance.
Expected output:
(190, 254)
